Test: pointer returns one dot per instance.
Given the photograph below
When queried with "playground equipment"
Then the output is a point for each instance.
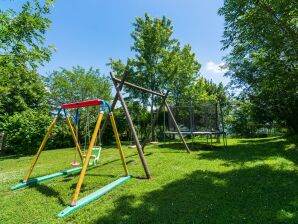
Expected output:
(96, 150)
(203, 118)
(118, 83)
(75, 203)
(175, 129)
(95, 155)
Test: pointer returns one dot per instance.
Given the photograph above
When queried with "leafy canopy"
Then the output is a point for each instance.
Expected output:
(21, 51)
(78, 84)
(263, 38)
(160, 63)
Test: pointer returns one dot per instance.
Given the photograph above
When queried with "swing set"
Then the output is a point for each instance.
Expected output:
(93, 153)
(96, 150)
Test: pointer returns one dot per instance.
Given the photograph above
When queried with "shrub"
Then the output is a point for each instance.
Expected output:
(24, 131)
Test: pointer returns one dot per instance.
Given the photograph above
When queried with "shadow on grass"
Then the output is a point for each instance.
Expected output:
(71, 175)
(259, 140)
(252, 195)
(116, 160)
(49, 192)
(196, 146)
(13, 157)
(256, 149)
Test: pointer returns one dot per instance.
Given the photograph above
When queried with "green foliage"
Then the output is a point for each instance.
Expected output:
(160, 63)
(262, 36)
(78, 84)
(21, 90)
(21, 50)
(240, 121)
(22, 34)
(23, 97)
(24, 131)
(152, 41)
(205, 90)
(180, 70)
(244, 119)
(60, 136)
(141, 118)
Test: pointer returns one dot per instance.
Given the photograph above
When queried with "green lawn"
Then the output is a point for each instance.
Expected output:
(250, 181)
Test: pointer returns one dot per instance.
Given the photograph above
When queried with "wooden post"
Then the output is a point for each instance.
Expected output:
(115, 80)
(105, 123)
(176, 126)
(138, 87)
(155, 119)
(130, 123)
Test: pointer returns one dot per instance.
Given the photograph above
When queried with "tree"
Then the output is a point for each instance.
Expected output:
(22, 93)
(240, 120)
(205, 90)
(181, 69)
(263, 38)
(24, 131)
(152, 40)
(160, 64)
(78, 84)
(20, 89)
(21, 51)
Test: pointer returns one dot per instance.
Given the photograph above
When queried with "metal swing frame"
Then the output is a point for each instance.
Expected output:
(75, 203)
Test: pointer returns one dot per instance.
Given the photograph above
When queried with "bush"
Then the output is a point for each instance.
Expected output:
(24, 131)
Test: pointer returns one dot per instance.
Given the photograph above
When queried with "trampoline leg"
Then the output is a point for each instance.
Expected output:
(223, 139)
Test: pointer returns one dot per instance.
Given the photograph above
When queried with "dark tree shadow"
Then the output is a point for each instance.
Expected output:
(48, 192)
(257, 140)
(116, 160)
(253, 195)
(253, 150)
(12, 157)
(196, 146)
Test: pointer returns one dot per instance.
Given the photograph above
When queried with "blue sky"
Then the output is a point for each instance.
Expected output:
(89, 32)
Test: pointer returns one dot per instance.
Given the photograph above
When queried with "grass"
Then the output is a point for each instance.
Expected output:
(250, 181)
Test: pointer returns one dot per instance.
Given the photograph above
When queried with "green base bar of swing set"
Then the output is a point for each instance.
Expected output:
(44, 178)
(93, 196)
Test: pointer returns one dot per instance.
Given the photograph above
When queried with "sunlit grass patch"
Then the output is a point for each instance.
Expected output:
(250, 181)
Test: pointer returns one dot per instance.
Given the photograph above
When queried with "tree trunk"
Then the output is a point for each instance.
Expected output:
(152, 118)
(1, 140)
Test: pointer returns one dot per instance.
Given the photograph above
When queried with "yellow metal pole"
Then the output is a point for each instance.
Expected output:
(118, 143)
(41, 147)
(74, 137)
(86, 162)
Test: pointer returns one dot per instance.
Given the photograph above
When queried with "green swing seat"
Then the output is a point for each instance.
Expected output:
(95, 155)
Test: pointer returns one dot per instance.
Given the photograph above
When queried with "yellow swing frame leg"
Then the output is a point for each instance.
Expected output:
(86, 161)
(41, 147)
(118, 143)
(89, 151)
(78, 148)
(44, 141)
